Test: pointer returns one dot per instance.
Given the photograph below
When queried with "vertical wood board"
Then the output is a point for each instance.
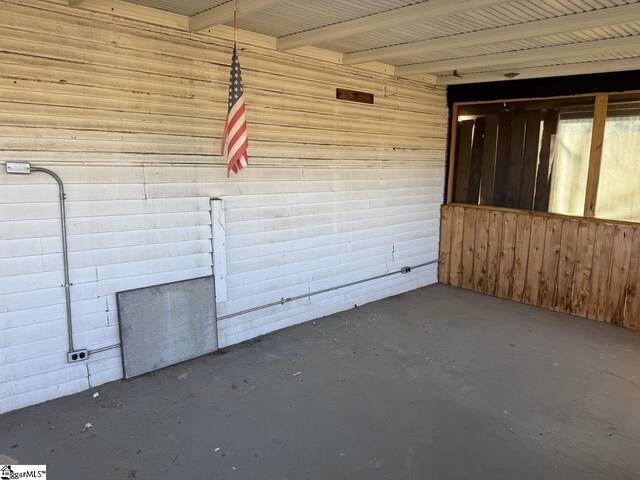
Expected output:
(566, 266)
(444, 267)
(521, 257)
(489, 159)
(468, 245)
(507, 251)
(551, 256)
(457, 239)
(480, 252)
(535, 261)
(582, 274)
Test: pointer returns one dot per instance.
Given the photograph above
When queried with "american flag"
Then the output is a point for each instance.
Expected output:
(234, 137)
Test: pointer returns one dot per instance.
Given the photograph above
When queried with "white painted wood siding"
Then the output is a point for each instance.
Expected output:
(129, 114)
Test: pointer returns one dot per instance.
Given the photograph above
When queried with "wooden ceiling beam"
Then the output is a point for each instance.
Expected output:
(583, 68)
(568, 23)
(523, 56)
(224, 13)
(380, 21)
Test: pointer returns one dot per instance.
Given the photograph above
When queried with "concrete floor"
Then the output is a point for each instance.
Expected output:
(438, 383)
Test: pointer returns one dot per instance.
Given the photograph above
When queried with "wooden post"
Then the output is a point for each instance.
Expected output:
(452, 152)
(595, 154)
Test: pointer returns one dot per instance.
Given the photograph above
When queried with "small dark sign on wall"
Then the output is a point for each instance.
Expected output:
(354, 96)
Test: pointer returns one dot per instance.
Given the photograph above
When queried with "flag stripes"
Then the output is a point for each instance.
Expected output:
(234, 138)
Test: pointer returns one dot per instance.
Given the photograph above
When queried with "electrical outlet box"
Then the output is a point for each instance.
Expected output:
(77, 356)
(405, 269)
(18, 167)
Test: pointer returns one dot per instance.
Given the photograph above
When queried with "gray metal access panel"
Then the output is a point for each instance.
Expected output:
(166, 324)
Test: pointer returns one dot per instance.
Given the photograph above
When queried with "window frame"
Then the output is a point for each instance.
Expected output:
(601, 107)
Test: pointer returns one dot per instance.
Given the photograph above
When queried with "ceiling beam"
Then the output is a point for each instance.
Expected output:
(584, 68)
(567, 23)
(522, 56)
(224, 13)
(379, 21)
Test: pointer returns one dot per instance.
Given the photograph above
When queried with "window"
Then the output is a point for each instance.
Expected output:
(538, 155)
(619, 185)
(571, 164)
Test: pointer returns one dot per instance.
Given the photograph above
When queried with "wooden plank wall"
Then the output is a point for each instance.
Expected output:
(129, 113)
(580, 267)
(501, 159)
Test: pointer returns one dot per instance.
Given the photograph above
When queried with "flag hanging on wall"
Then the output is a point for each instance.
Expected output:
(234, 138)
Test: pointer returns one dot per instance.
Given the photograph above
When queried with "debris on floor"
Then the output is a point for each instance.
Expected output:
(86, 427)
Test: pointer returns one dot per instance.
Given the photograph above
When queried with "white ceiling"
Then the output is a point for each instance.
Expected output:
(479, 39)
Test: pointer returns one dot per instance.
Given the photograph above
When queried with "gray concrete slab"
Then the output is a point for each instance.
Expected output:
(438, 383)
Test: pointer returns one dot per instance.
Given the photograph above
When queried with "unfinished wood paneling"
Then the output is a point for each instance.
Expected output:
(463, 164)
(475, 168)
(595, 154)
(618, 275)
(457, 240)
(600, 271)
(493, 252)
(468, 247)
(585, 268)
(507, 251)
(550, 258)
(584, 265)
(444, 268)
(489, 159)
(632, 305)
(501, 175)
(516, 158)
(530, 160)
(566, 267)
(480, 252)
(534, 264)
(521, 257)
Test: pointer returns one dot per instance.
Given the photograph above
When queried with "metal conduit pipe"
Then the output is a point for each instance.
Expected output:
(25, 168)
(282, 301)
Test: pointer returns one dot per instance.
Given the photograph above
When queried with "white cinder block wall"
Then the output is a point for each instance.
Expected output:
(129, 113)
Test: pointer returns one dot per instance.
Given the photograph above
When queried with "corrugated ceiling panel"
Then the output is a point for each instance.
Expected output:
(183, 7)
(547, 41)
(480, 19)
(552, 63)
(294, 16)
(300, 15)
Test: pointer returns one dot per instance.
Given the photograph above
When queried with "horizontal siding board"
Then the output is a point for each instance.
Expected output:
(42, 280)
(41, 331)
(50, 296)
(120, 223)
(37, 395)
(10, 194)
(33, 315)
(130, 269)
(111, 240)
(108, 287)
(107, 256)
